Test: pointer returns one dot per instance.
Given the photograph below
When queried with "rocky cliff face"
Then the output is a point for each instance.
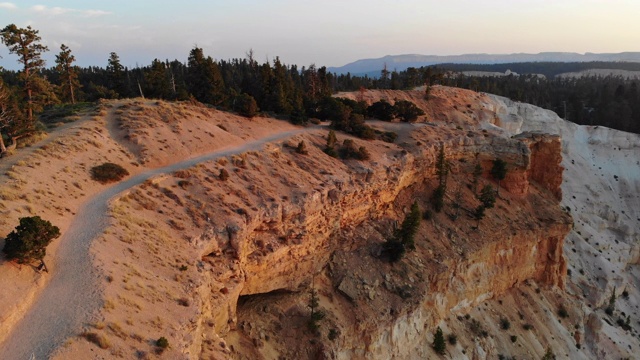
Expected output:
(327, 220)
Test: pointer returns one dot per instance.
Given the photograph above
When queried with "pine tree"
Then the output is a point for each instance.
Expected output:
(7, 116)
(612, 303)
(477, 172)
(68, 75)
(487, 197)
(115, 74)
(205, 81)
(26, 44)
(331, 144)
(157, 82)
(409, 227)
(439, 345)
(317, 314)
(29, 240)
(499, 171)
(302, 148)
(442, 170)
(479, 214)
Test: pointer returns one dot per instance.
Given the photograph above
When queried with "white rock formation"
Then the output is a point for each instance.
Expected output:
(601, 188)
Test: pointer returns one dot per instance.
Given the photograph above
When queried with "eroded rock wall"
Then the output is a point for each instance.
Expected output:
(279, 247)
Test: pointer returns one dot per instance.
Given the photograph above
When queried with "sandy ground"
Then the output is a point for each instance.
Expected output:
(66, 297)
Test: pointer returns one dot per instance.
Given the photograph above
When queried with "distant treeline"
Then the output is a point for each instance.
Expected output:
(610, 101)
(246, 86)
(548, 69)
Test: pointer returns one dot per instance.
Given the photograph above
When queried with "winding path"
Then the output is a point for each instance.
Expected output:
(73, 292)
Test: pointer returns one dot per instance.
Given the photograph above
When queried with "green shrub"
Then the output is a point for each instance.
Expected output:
(382, 110)
(393, 250)
(514, 338)
(29, 240)
(333, 334)
(301, 148)
(438, 342)
(108, 172)
(162, 342)
(562, 312)
(452, 339)
(388, 136)
(245, 105)
(505, 324)
(161, 345)
(407, 111)
(348, 150)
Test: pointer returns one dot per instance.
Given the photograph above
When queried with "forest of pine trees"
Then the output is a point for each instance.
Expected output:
(247, 86)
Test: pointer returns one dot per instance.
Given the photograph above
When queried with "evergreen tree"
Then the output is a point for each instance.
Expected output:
(439, 344)
(301, 148)
(407, 111)
(499, 171)
(479, 214)
(157, 82)
(487, 197)
(7, 116)
(68, 76)
(26, 44)
(245, 105)
(331, 144)
(477, 172)
(29, 240)
(115, 75)
(442, 166)
(205, 81)
(442, 170)
(317, 314)
(612, 303)
(409, 227)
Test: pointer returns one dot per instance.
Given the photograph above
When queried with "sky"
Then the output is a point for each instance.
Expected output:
(325, 33)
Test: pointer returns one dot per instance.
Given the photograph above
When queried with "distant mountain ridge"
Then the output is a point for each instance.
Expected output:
(402, 62)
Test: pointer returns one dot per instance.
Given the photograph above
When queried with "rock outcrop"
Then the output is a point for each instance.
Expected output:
(278, 246)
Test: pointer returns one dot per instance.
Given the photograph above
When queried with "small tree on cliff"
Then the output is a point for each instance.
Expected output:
(477, 172)
(612, 303)
(487, 197)
(409, 227)
(317, 314)
(403, 238)
(438, 342)
(478, 213)
(442, 170)
(331, 144)
(499, 171)
(29, 240)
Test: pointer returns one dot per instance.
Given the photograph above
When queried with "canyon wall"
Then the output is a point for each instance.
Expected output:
(280, 246)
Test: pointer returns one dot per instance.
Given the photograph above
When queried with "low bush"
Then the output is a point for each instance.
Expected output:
(224, 175)
(97, 339)
(108, 172)
(562, 312)
(505, 324)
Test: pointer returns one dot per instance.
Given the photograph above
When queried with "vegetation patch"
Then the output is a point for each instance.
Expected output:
(29, 240)
(97, 339)
(108, 172)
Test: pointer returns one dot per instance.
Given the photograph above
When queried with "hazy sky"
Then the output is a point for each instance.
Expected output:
(327, 32)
